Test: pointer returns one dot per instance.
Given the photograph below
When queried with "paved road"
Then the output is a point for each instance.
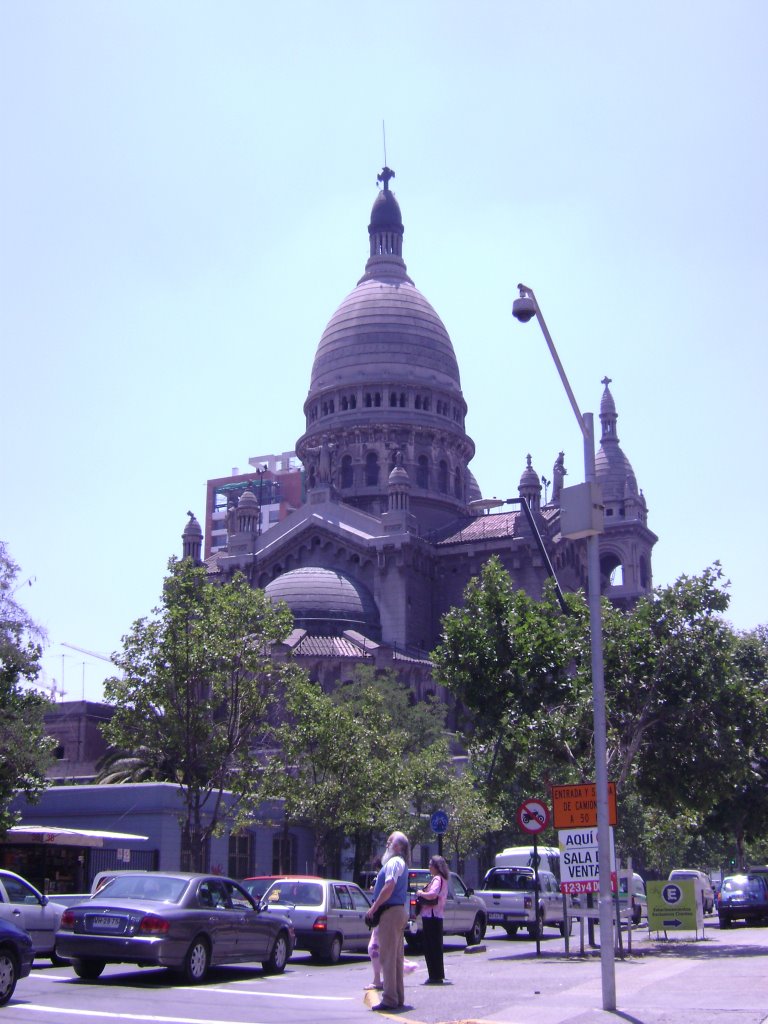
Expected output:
(722, 979)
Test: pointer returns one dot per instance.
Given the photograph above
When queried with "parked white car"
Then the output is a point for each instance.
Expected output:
(327, 914)
(509, 894)
(701, 879)
(21, 904)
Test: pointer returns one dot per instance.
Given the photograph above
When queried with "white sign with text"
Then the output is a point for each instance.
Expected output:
(579, 860)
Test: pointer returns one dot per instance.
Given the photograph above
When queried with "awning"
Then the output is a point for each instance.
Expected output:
(53, 835)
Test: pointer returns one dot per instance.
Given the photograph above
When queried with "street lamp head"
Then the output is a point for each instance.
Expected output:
(524, 307)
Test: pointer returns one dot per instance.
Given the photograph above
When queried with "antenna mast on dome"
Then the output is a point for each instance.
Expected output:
(384, 140)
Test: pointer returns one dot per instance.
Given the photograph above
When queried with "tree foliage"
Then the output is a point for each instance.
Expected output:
(364, 760)
(25, 751)
(685, 700)
(199, 693)
(509, 661)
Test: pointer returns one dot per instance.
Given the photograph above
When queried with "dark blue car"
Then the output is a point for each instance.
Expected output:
(742, 897)
(15, 958)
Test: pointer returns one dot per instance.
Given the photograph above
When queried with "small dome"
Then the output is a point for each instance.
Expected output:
(247, 498)
(385, 214)
(614, 473)
(530, 478)
(399, 474)
(193, 528)
(326, 603)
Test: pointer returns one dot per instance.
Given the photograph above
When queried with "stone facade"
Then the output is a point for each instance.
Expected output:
(393, 510)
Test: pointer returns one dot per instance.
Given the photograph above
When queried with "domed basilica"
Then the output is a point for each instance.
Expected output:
(394, 525)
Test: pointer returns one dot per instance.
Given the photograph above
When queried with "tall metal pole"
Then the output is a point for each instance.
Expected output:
(607, 965)
(524, 309)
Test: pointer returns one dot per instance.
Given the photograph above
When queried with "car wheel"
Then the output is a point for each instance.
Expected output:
(279, 955)
(725, 922)
(511, 930)
(88, 970)
(332, 954)
(196, 961)
(566, 929)
(637, 915)
(59, 961)
(475, 934)
(536, 928)
(9, 974)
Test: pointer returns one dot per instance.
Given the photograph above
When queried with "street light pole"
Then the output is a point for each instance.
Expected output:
(524, 309)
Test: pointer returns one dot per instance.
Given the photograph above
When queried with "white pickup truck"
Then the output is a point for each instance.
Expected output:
(510, 899)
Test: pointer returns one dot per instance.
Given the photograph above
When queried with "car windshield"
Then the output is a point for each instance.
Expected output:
(297, 893)
(162, 888)
(418, 879)
(512, 881)
(256, 887)
(744, 883)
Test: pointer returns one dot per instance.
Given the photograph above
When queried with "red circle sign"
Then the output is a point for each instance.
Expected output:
(533, 816)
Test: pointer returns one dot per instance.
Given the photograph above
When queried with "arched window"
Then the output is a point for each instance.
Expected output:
(347, 476)
(371, 469)
(422, 472)
(442, 477)
(457, 483)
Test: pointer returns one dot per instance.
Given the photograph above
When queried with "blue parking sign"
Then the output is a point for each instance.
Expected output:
(439, 822)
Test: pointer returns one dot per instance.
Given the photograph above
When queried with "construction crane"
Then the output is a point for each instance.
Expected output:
(83, 650)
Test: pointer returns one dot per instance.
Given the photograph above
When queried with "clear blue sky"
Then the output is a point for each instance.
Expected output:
(185, 193)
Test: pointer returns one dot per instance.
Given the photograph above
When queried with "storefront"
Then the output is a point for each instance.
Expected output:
(64, 860)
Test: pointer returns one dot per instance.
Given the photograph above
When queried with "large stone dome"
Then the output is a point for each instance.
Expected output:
(385, 379)
(385, 330)
(325, 603)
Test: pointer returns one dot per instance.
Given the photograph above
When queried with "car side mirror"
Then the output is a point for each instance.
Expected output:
(470, 891)
(44, 901)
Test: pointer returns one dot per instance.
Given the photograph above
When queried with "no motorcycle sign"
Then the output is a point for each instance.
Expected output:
(533, 816)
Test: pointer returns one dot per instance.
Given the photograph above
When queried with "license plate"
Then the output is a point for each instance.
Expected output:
(495, 917)
(106, 924)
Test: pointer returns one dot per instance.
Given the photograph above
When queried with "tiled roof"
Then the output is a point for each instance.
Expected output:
(489, 527)
(328, 647)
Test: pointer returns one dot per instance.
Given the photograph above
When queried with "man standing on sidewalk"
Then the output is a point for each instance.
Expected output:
(390, 896)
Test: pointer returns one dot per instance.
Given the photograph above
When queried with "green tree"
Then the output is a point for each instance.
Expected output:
(199, 694)
(677, 703)
(740, 810)
(25, 751)
(417, 735)
(674, 697)
(337, 768)
(510, 661)
(470, 817)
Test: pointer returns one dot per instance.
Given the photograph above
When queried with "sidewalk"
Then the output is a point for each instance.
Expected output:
(721, 979)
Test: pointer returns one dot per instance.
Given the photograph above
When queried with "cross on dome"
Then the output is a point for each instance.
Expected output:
(386, 175)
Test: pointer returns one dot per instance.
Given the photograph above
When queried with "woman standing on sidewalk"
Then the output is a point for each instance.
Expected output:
(432, 900)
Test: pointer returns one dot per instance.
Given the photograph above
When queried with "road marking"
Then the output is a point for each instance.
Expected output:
(105, 1014)
(258, 992)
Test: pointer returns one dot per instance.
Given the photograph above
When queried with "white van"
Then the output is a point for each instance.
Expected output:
(522, 856)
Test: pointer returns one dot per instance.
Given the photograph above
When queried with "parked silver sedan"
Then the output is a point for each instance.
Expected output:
(21, 904)
(187, 922)
(328, 914)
